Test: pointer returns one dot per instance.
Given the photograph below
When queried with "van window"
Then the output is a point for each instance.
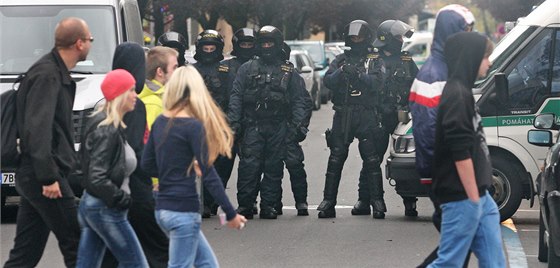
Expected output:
(555, 85)
(529, 78)
(28, 34)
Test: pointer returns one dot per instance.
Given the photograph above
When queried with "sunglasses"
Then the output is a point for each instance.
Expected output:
(88, 39)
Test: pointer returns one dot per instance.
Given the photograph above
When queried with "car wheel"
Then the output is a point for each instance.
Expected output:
(543, 249)
(506, 187)
(316, 95)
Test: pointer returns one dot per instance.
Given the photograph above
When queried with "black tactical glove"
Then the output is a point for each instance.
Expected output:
(350, 70)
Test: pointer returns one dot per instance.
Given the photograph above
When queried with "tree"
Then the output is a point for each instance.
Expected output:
(507, 10)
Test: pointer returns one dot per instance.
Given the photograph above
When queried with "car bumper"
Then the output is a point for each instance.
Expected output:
(402, 171)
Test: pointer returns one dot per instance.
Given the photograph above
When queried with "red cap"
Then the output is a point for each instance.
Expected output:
(116, 82)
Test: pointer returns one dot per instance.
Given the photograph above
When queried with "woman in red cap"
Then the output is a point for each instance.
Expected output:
(107, 162)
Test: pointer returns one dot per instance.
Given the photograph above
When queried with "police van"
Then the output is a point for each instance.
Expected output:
(27, 28)
(524, 81)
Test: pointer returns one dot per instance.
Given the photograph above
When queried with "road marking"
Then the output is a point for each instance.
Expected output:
(528, 210)
(515, 253)
(312, 207)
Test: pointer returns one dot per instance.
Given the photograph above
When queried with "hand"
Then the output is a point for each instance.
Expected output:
(155, 187)
(238, 222)
(52, 191)
(350, 69)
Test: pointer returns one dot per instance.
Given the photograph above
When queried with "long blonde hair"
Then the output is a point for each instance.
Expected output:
(113, 111)
(186, 91)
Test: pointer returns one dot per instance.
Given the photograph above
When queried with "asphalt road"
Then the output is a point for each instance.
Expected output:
(346, 241)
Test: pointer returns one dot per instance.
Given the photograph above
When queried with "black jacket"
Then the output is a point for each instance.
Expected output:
(44, 119)
(102, 156)
(459, 134)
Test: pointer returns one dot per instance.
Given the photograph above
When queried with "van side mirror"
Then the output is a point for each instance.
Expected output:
(306, 69)
(540, 137)
(546, 121)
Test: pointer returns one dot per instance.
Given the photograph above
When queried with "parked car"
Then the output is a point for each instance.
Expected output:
(316, 50)
(418, 46)
(548, 188)
(306, 68)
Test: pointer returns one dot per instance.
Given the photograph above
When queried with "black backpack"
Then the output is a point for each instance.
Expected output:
(10, 138)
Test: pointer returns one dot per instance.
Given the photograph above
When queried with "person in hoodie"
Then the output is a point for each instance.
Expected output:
(130, 56)
(462, 171)
(218, 80)
(425, 94)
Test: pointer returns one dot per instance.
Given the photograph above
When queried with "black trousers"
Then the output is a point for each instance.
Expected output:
(298, 177)
(37, 217)
(261, 151)
(154, 242)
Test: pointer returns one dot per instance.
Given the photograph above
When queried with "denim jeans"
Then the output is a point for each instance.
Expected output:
(102, 228)
(467, 225)
(187, 245)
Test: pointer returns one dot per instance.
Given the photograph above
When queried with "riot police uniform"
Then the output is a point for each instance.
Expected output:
(177, 41)
(218, 80)
(266, 109)
(355, 78)
(401, 71)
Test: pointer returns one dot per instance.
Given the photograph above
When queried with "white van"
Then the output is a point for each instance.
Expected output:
(419, 46)
(524, 81)
(27, 29)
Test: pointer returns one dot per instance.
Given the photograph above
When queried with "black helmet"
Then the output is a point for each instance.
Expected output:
(266, 34)
(358, 28)
(174, 40)
(243, 35)
(209, 37)
(390, 32)
(286, 50)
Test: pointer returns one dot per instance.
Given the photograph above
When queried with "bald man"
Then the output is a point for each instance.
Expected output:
(44, 119)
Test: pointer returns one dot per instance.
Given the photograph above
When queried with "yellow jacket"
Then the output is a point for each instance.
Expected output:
(152, 95)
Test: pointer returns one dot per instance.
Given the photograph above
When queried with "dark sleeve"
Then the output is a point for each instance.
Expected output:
(38, 121)
(334, 78)
(457, 110)
(210, 178)
(304, 103)
(149, 163)
(375, 76)
(102, 145)
(235, 109)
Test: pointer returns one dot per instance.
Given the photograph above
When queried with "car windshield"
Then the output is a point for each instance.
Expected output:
(504, 48)
(313, 49)
(28, 34)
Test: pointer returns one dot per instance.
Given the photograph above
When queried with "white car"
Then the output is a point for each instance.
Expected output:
(306, 68)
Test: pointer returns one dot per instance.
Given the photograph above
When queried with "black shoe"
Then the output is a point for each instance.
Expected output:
(302, 209)
(410, 209)
(361, 208)
(326, 210)
(279, 209)
(269, 214)
(206, 212)
(379, 209)
(247, 213)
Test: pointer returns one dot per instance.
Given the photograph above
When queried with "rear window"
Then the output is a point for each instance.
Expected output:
(28, 34)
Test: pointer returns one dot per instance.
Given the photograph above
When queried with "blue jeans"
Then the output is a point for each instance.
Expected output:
(102, 228)
(467, 225)
(187, 244)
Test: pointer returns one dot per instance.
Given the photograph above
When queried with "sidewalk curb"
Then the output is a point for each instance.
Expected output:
(515, 254)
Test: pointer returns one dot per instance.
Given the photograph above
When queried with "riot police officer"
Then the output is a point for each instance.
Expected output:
(355, 78)
(266, 110)
(401, 71)
(177, 41)
(218, 80)
(294, 156)
(243, 41)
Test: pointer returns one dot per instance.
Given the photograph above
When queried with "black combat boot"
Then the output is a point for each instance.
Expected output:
(302, 209)
(268, 213)
(379, 209)
(246, 212)
(206, 212)
(278, 208)
(326, 208)
(361, 208)
(410, 207)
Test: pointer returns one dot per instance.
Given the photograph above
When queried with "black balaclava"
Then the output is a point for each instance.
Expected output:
(361, 29)
(270, 54)
(209, 37)
(130, 56)
(463, 54)
(243, 35)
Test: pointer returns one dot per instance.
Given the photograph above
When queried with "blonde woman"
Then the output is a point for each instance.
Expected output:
(107, 162)
(191, 128)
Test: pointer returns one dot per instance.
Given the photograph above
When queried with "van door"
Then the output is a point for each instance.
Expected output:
(131, 22)
(534, 88)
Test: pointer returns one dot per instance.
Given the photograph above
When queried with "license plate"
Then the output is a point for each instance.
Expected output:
(9, 178)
